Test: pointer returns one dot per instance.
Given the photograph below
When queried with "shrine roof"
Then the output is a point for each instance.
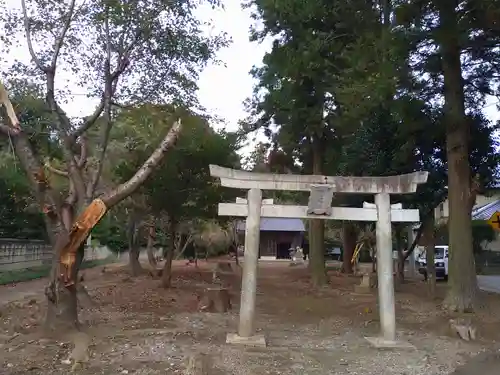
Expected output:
(486, 211)
(274, 224)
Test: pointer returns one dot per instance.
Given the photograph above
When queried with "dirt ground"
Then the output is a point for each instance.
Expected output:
(139, 328)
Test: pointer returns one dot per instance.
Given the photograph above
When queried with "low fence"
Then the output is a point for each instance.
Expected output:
(22, 254)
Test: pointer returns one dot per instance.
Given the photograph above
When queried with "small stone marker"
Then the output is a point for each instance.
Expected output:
(320, 200)
(365, 286)
(296, 257)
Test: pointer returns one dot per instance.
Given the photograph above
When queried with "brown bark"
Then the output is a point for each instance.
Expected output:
(429, 255)
(166, 277)
(349, 237)
(134, 263)
(133, 245)
(150, 244)
(62, 301)
(400, 265)
(317, 227)
(462, 286)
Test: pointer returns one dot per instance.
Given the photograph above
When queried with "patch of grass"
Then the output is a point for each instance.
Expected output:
(18, 276)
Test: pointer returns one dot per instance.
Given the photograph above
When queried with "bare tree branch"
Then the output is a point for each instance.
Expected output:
(4, 99)
(109, 79)
(108, 92)
(60, 40)
(27, 29)
(33, 168)
(72, 198)
(82, 160)
(56, 170)
(124, 190)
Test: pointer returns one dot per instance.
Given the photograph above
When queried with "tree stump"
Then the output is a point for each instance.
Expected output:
(80, 353)
(223, 267)
(198, 364)
(364, 286)
(156, 273)
(463, 328)
(215, 299)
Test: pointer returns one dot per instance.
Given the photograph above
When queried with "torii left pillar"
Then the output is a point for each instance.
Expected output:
(246, 329)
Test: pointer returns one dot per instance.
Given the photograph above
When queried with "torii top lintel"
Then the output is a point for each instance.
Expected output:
(400, 184)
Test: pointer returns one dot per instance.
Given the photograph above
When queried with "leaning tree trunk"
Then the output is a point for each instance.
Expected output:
(349, 236)
(317, 230)
(463, 290)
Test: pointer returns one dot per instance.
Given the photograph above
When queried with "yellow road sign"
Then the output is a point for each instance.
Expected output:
(494, 221)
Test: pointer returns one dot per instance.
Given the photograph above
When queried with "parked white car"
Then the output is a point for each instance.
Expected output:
(441, 254)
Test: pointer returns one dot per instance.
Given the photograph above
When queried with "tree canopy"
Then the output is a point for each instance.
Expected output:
(376, 88)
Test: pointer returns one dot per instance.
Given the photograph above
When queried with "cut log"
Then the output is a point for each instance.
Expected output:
(215, 299)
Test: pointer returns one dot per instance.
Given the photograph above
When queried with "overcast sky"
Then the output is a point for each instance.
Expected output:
(222, 88)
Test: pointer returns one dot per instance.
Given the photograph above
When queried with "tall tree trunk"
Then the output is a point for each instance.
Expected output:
(463, 290)
(150, 246)
(400, 265)
(62, 302)
(430, 255)
(349, 237)
(166, 277)
(317, 228)
(134, 246)
(134, 263)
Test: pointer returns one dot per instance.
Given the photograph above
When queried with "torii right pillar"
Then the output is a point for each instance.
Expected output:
(386, 300)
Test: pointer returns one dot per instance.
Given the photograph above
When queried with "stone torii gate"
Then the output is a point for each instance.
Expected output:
(321, 190)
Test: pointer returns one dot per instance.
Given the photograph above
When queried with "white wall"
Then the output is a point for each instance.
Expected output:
(22, 254)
